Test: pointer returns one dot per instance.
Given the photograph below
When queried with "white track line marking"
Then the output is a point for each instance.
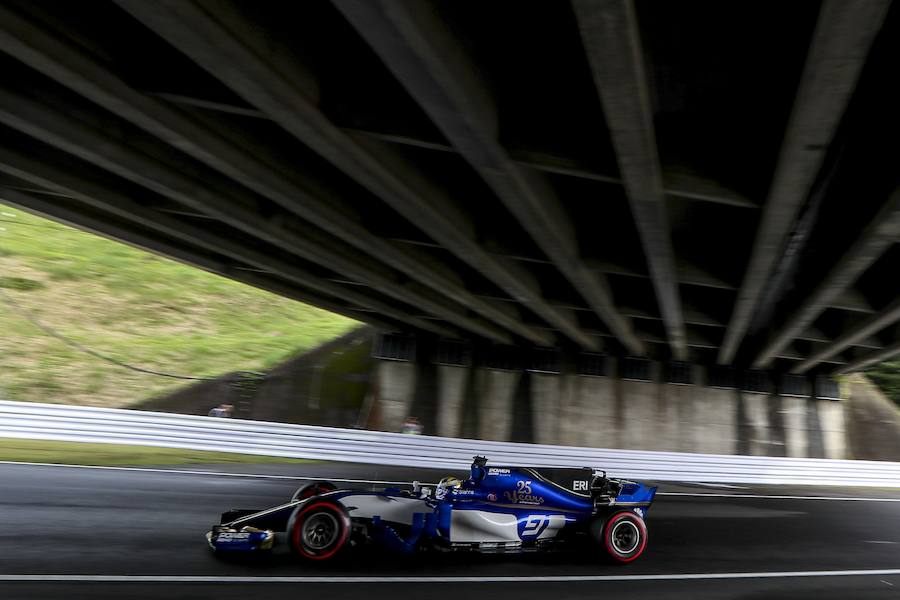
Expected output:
(214, 473)
(722, 485)
(777, 497)
(377, 482)
(436, 579)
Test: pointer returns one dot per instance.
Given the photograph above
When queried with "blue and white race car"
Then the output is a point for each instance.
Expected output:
(496, 509)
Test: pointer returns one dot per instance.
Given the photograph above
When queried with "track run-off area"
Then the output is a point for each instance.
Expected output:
(74, 531)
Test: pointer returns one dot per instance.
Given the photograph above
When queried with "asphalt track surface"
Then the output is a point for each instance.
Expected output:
(70, 532)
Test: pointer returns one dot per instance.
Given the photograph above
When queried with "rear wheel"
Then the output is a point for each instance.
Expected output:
(624, 536)
(319, 529)
(313, 488)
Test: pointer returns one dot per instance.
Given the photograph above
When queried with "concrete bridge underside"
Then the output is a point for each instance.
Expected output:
(704, 183)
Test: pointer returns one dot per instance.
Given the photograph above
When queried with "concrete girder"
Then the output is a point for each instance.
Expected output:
(104, 227)
(686, 273)
(430, 217)
(74, 69)
(870, 343)
(677, 183)
(852, 300)
(843, 35)
(873, 241)
(692, 315)
(855, 337)
(118, 157)
(869, 359)
(609, 33)
(794, 354)
(692, 340)
(813, 334)
(424, 56)
(226, 52)
(82, 190)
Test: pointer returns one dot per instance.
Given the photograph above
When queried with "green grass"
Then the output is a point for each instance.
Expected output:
(136, 307)
(77, 453)
(886, 376)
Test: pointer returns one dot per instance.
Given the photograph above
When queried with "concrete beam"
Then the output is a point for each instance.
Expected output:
(69, 66)
(869, 359)
(870, 343)
(852, 300)
(677, 183)
(841, 41)
(692, 315)
(856, 336)
(428, 207)
(80, 189)
(431, 64)
(227, 53)
(681, 183)
(609, 32)
(692, 274)
(118, 156)
(813, 334)
(687, 273)
(873, 241)
(131, 236)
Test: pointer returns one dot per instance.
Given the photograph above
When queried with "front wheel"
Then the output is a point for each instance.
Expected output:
(312, 488)
(624, 536)
(319, 529)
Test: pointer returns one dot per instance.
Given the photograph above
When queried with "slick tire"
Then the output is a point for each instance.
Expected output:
(313, 488)
(318, 529)
(624, 536)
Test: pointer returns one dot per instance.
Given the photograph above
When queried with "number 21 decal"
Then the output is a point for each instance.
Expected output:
(536, 524)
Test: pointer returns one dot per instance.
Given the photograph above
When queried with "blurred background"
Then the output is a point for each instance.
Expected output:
(90, 321)
(612, 228)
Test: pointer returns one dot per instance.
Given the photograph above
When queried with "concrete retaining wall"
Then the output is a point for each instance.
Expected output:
(608, 412)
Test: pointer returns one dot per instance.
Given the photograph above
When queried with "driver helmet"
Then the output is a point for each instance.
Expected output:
(446, 484)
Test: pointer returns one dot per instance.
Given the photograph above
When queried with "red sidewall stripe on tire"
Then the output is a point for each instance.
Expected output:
(607, 533)
(316, 489)
(298, 525)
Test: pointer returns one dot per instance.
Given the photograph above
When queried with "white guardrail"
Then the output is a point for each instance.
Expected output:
(27, 420)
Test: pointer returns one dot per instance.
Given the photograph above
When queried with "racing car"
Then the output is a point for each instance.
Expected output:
(495, 509)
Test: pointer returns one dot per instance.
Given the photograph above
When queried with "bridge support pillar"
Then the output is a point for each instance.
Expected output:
(522, 410)
(796, 426)
(396, 383)
(831, 419)
(636, 405)
(495, 405)
(453, 385)
(550, 395)
(425, 397)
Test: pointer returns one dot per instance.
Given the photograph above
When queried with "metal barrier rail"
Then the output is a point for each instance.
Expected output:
(27, 420)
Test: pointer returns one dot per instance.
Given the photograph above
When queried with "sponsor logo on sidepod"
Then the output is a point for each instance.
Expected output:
(233, 536)
(523, 495)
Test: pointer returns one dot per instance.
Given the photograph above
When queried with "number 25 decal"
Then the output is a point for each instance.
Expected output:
(523, 487)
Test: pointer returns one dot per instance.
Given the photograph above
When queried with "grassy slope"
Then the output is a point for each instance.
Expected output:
(76, 453)
(887, 377)
(134, 306)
